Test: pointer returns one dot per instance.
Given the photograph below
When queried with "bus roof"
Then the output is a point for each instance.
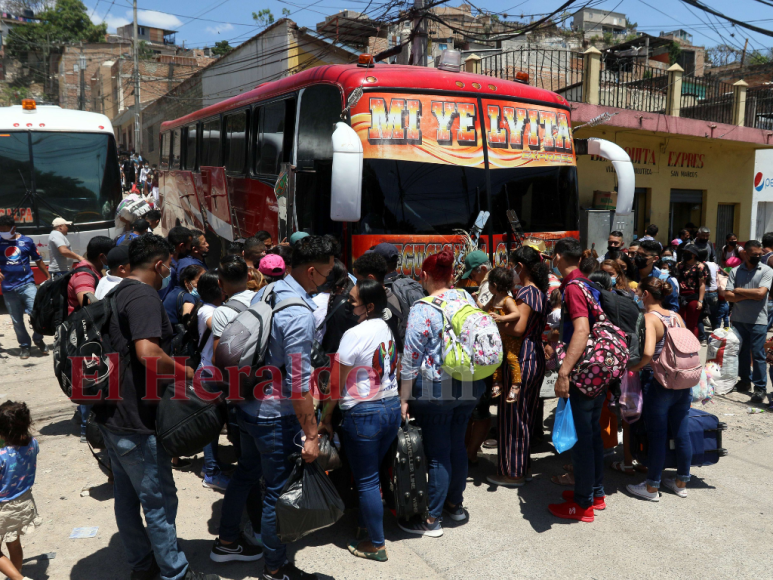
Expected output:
(53, 118)
(387, 77)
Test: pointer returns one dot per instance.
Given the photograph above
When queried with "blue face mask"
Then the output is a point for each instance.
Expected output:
(166, 279)
(639, 302)
(194, 292)
(614, 280)
(668, 259)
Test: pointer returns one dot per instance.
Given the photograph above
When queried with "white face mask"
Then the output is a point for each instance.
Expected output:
(517, 277)
(6, 235)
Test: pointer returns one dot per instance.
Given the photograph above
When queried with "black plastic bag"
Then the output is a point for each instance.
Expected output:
(308, 502)
(328, 458)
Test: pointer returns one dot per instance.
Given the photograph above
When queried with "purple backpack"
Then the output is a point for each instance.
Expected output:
(606, 354)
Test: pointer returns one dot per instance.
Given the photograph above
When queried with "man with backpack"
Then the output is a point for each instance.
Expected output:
(748, 287)
(271, 425)
(372, 265)
(199, 251)
(140, 334)
(18, 281)
(180, 238)
(588, 451)
(406, 289)
(85, 275)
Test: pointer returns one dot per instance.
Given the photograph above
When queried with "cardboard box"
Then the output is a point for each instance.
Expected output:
(604, 200)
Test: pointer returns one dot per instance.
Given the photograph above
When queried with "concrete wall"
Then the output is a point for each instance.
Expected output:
(721, 170)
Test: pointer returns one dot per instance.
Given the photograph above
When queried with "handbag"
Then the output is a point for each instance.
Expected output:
(185, 427)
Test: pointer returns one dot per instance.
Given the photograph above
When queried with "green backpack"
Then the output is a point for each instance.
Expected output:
(472, 346)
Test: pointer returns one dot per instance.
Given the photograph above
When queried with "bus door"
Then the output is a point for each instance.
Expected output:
(186, 180)
(217, 208)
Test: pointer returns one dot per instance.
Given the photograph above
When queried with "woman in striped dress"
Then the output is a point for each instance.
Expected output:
(516, 421)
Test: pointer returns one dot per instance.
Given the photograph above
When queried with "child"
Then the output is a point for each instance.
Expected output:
(18, 458)
(504, 311)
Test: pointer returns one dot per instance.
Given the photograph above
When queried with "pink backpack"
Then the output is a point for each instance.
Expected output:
(679, 364)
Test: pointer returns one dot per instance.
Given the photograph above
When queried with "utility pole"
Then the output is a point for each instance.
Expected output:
(743, 54)
(82, 71)
(419, 48)
(137, 123)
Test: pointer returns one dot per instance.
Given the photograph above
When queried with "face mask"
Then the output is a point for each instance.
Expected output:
(701, 242)
(516, 277)
(166, 279)
(6, 235)
(194, 292)
(640, 261)
(349, 309)
(686, 257)
(669, 259)
(611, 248)
(731, 244)
(754, 260)
(639, 302)
(614, 280)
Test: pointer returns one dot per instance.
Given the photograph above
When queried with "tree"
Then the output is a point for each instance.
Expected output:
(673, 53)
(61, 24)
(263, 17)
(222, 48)
(757, 57)
(145, 52)
(286, 12)
(722, 55)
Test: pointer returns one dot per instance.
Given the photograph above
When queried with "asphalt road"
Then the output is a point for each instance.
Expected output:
(722, 530)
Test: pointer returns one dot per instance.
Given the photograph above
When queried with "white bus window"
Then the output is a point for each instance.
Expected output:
(272, 138)
(175, 160)
(16, 169)
(236, 142)
(190, 147)
(165, 150)
(210, 144)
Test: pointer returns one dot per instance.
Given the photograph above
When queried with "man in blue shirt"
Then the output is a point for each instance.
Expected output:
(271, 427)
(199, 250)
(646, 255)
(139, 228)
(180, 238)
(18, 281)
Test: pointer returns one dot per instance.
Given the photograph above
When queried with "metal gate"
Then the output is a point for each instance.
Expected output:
(725, 222)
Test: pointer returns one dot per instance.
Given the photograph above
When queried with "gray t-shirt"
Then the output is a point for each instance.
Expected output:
(750, 311)
(58, 262)
(223, 314)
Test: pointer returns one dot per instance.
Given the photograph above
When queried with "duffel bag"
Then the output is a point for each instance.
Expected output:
(184, 427)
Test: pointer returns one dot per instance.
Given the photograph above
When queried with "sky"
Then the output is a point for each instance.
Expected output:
(204, 22)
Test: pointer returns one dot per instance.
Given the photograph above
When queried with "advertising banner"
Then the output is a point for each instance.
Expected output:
(447, 130)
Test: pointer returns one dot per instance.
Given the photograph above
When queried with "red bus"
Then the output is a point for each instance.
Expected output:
(438, 147)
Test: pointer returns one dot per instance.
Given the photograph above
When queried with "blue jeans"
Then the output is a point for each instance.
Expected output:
(443, 426)
(19, 302)
(368, 429)
(266, 444)
(770, 314)
(664, 408)
(588, 452)
(721, 318)
(143, 479)
(752, 353)
(85, 410)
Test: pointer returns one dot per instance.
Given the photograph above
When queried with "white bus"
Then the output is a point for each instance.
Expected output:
(58, 162)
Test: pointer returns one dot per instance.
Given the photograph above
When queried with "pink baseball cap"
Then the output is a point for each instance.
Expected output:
(272, 265)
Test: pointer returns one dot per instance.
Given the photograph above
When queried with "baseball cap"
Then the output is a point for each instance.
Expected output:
(385, 250)
(118, 256)
(272, 265)
(676, 241)
(60, 222)
(472, 261)
(297, 236)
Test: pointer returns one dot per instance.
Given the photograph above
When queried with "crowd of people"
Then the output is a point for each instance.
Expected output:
(385, 335)
(138, 176)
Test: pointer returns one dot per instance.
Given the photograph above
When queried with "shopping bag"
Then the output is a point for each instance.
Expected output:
(631, 400)
(564, 435)
(308, 502)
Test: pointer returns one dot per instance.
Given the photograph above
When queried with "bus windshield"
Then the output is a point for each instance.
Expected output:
(56, 174)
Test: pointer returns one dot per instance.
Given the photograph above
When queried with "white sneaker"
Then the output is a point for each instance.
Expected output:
(671, 484)
(640, 489)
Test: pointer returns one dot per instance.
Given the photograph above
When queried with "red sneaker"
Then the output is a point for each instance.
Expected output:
(571, 511)
(598, 502)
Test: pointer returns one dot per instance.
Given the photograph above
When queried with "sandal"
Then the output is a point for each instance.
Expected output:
(512, 395)
(569, 468)
(622, 468)
(496, 390)
(566, 479)
(640, 467)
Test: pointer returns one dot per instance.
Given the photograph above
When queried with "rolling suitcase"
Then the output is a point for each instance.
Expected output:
(705, 435)
(408, 473)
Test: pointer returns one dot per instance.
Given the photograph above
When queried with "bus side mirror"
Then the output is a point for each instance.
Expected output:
(346, 182)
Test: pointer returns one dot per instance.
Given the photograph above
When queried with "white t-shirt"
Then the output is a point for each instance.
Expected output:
(223, 314)
(206, 311)
(321, 300)
(713, 267)
(106, 283)
(370, 348)
(57, 262)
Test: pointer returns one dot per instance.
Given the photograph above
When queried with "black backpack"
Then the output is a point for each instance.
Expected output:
(50, 307)
(185, 341)
(408, 291)
(86, 334)
(623, 312)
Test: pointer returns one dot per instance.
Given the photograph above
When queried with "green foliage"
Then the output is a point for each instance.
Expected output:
(495, 17)
(145, 52)
(673, 53)
(757, 57)
(608, 38)
(222, 48)
(263, 17)
(286, 12)
(13, 95)
(631, 36)
(66, 22)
